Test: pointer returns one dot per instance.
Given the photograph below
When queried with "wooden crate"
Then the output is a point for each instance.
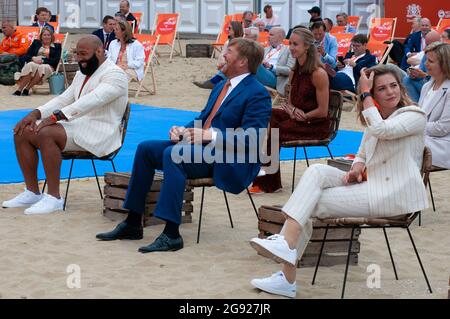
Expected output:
(198, 50)
(271, 221)
(71, 70)
(115, 191)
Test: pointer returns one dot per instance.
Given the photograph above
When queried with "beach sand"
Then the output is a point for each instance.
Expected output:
(39, 253)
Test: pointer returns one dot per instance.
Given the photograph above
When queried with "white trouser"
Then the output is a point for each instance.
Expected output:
(321, 193)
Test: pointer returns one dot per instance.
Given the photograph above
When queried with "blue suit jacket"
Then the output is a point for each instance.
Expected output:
(36, 24)
(413, 43)
(247, 106)
(99, 33)
(366, 61)
(331, 48)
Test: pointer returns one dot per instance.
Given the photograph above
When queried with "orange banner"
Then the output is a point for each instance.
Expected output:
(406, 10)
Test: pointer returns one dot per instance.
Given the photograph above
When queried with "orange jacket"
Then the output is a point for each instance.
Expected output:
(16, 44)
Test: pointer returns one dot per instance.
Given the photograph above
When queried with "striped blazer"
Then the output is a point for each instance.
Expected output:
(392, 151)
(97, 112)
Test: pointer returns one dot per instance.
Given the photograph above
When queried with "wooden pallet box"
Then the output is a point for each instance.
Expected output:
(271, 220)
(196, 50)
(116, 185)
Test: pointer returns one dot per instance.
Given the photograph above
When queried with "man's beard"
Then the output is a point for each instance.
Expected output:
(91, 65)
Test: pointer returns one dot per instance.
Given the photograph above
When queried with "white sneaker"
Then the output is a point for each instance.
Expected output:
(276, 284)
(48, 204)
(24, 199)
(275, 247)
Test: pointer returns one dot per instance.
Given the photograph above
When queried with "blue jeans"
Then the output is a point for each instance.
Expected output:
(413, 86)
(266, 77)
(342, 82)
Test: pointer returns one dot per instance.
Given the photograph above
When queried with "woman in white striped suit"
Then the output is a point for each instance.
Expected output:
(384, 180)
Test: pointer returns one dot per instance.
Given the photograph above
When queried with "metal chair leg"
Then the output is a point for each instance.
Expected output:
(253, 204)
(96, 177)
(431, 195)
(390, 252)
(200, 216)
(293, 172)
(113, 166)
(68, 184)
(228, 209)
(418, 258)
(348, 261)
(329, 152)
(320, 255)
(306, 156)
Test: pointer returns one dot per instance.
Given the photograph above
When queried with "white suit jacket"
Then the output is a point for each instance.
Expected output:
(283, 67)
(392, 151)
(135, 56)
(96, 115)
(437, 131)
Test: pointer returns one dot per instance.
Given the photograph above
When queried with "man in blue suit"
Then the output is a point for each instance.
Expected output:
(416, 41)
(240, 103)
(106, 34)
(326, 44)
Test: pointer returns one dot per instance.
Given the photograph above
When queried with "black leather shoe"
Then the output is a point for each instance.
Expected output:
(163, 243)
(122, 231)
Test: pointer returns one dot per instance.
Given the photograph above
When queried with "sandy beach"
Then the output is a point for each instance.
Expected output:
(38, 251)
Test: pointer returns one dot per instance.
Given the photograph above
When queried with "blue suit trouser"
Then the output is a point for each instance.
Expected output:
(157, 155)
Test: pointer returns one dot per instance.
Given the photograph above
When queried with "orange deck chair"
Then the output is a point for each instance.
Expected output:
(31, 32)
(263, 38)
(380, 50)
(166, 26)
(337, 30)
(222, 37)
(137, 28)
(354, 21)
(442, 25)
(55, 26)
(344, 41)
(150, 43)
(382, 29)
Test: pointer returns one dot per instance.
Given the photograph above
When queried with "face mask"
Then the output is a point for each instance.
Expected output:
(91, 66)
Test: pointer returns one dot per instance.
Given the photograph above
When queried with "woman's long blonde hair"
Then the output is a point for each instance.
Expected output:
(312, 62)
(380, 70)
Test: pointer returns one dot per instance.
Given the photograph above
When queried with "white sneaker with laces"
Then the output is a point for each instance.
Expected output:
(48, 204)
(276, 284)
(275, 247)
(24, 199)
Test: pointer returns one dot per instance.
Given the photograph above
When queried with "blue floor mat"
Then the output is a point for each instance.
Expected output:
(146, 122)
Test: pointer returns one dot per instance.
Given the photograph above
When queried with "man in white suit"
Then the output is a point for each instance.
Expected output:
(278, 62)
(86, 116)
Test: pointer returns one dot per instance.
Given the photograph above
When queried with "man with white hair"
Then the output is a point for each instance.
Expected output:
(278, 62)
(251, 33)
(341, 20)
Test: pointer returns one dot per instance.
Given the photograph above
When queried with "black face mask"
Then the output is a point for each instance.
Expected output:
(91, 65)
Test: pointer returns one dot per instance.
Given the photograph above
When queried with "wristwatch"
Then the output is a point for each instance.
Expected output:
(58, 115)
(364, 95)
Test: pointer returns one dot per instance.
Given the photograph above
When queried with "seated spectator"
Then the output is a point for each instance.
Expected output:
(417, 74)
(315, 15)
(445, 36)
(13, 41)
(106, 34)
(397, 52)
(288, 36)
(251, 33)
(234, 31)
(350, 68)
(124, 10)
(384, 180)
(247, 19)
(328, 24)
(435, 102)
(270, 20)
(341, 20)
(86, 117)
(326, 44)
(416, 41)
(305, 116)
(42, 16)
(119, 17)
(277, 63)
(41, 60)
(127, 52)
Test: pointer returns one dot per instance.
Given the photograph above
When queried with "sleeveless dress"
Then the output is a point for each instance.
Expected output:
(303, 96)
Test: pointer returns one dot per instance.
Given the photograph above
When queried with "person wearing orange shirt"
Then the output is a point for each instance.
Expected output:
(13, 42)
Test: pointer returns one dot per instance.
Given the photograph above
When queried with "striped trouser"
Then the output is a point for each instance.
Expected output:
(321, 193)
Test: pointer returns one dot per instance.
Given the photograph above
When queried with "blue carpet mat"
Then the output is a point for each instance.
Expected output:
(145, 123)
